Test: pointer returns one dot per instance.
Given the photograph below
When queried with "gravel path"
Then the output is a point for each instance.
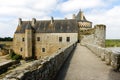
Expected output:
(84, 65)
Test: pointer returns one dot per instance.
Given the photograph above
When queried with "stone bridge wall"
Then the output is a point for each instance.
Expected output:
(45, 69)
(110, 57)
(6, 65)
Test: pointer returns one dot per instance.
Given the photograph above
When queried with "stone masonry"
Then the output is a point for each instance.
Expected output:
(42, 69)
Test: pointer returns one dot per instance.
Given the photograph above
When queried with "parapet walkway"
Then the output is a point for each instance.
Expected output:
(84, 65)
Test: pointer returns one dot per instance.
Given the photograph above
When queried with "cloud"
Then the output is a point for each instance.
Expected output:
(13, 2)
(7, 29)
(72, 5)
(108, 17)
(46, 5)
(11, 10)
(27, 8)
(97, 11)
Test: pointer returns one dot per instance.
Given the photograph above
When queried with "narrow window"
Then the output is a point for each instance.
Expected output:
(68, 39)
(60, 39)
(43, 49)
(23, 39)
(38, 38)
(21, 49)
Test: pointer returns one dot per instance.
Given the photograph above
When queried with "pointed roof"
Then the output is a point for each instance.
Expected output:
(80, 16)
(28, 26)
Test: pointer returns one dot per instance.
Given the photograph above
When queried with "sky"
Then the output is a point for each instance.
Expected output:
(98, 11)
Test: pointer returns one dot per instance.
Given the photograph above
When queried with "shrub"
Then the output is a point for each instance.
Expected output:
(14, 56)
(17, 57)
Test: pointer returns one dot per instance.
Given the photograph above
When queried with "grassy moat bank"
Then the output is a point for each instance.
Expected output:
(112, 42)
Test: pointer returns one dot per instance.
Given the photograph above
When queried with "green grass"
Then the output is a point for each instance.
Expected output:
(112, 43)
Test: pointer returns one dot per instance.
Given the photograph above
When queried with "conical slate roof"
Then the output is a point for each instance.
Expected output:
(80, 17)
(28, 26)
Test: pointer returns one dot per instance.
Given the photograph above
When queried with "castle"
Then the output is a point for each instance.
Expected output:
(40, 38)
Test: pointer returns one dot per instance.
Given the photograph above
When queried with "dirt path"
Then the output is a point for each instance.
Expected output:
(84, 65)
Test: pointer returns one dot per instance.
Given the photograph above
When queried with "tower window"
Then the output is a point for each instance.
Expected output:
(38, 38)
(23, 39)
(60, 39)
(68, 39)
(43, 49)
(21, 49)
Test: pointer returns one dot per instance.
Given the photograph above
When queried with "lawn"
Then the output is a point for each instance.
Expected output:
(112, 42)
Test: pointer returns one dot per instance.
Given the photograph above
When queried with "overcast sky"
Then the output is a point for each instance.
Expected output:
(98, 11)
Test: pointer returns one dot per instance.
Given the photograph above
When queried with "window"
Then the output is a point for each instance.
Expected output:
(23, 39)
(68, 39)
(21, 49)
(60, 39)
(43, 49)
(38, 38)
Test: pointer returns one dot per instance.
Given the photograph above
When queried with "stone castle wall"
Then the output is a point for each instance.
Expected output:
(85, 24)
(94, 35)
(7, 46)
(9, 43)
(19, 44)
(100, 35)
(96, 43)
(28, 43)
(49, 41)
(44, 69)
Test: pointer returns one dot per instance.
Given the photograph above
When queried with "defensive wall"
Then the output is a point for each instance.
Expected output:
(42, 69)
(95, 41)
(94, 35)
(6, 65)
(8, 43)
(6, 47)
(110, 57)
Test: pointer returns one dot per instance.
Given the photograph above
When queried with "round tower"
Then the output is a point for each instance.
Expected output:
(100, 35)
(28, 41)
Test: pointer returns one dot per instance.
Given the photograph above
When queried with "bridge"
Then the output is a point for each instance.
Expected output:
(82, 64)
(74, 62)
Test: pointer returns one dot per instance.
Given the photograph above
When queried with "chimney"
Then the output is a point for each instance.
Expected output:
(73, 16)
(65, 18)
(33, 21)
(19, 21)
(52, 20)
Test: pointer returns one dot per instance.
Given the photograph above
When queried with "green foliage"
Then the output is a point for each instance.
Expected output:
(112, 43)
(6, 39)
(14, 56)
